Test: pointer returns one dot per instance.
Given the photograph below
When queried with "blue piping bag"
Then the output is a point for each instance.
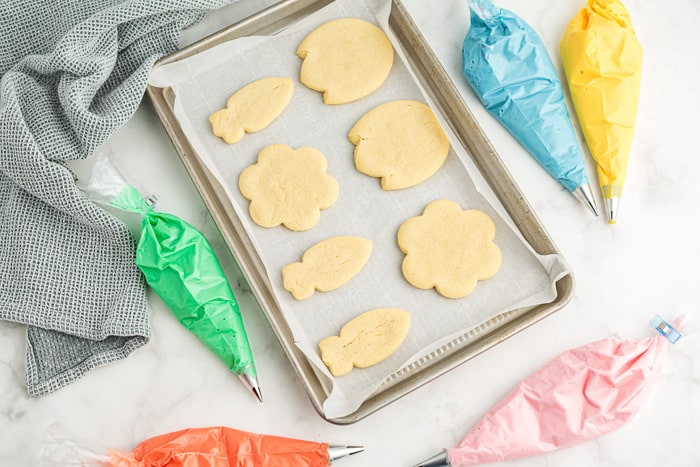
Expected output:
(507, 65)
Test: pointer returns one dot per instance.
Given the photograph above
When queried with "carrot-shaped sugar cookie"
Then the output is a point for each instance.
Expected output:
(326, 266)
(252, 108)
(365, 340)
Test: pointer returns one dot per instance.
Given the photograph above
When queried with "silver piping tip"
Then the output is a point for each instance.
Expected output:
(258, 393)
(584, 194)
(251, 382)
(440, 459)
(336, 452)
(612, 206)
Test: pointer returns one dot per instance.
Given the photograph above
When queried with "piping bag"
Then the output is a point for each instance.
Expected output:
(581, 395)
(507, 66)
(602, 59)
(181, 267)
(199, 447)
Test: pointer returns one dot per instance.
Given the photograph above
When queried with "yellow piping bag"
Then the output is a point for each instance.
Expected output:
(603, 63)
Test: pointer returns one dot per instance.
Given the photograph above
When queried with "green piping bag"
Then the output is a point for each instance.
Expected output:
(181, 267)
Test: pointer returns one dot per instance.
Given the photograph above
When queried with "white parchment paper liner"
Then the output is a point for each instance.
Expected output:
(203, 83)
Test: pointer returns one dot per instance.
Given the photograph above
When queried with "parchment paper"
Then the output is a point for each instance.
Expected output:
(203, 83)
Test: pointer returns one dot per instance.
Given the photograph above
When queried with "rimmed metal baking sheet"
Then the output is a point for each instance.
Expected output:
(449, 103)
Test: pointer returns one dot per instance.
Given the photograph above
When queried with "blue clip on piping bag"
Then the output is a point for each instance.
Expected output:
(507, 65)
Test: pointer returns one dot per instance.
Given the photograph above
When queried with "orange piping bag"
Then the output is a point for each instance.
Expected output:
(227, 447)
(602, 59)
(582, 394)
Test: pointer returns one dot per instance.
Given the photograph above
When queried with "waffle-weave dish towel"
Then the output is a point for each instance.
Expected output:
(72, 72)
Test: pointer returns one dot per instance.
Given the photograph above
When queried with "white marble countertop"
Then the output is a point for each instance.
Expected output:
(646, 264)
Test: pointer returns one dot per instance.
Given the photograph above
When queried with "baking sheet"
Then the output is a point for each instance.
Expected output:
(203, 83)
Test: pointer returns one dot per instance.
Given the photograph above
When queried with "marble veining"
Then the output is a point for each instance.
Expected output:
(646, 264)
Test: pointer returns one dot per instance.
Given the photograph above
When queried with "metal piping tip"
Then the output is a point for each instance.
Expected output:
(438, 460)
(584, 194)
(336, 452)
(251, 382)
(612, 206)
(258, 393)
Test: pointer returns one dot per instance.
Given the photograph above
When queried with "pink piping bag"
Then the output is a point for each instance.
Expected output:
(582, 394)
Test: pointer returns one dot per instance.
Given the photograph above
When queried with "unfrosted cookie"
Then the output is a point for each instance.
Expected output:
(346, 59)
(288, 186)
(252, 108)
(449, 249)
(365, 340)
(400, 141)
(326, 266)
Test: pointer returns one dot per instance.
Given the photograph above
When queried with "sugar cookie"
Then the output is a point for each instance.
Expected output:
(365, 340)
(449, 249)
(400, 141)
(326, 266)
(252, 108)
(288, 186)
(346, 59)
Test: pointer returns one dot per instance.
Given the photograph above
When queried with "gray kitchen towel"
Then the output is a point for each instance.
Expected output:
(72, 72)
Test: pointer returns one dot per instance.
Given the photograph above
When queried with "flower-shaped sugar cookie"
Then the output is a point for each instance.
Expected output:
(449, 249)
(288, 186)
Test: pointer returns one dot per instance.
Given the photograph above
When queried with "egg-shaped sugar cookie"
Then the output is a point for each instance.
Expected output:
(365, 340)
(288, 186)
(346, 59)
(252, 108)
(449, 249)
(326, 266)
(400, 142)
